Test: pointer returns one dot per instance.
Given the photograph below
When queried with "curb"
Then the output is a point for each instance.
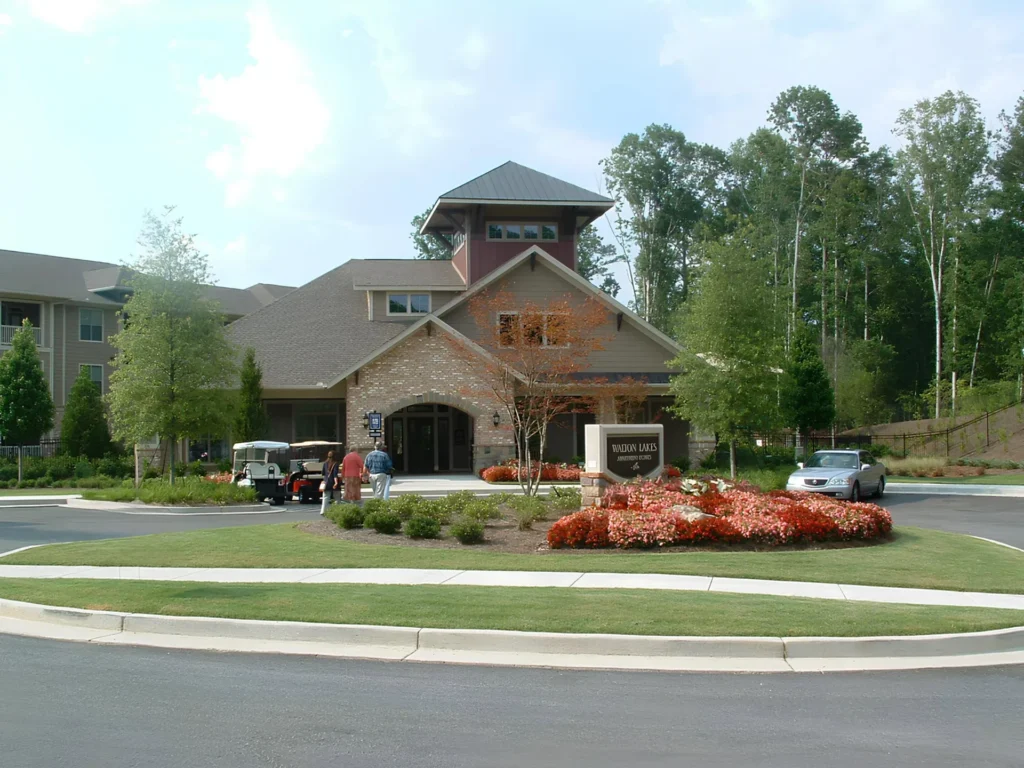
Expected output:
(953, 489)
(147, 509)
(520, 649)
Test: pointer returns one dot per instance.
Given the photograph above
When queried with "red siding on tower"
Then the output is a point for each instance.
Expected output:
(487, 255)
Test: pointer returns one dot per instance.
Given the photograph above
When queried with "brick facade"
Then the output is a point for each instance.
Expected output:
(427, 368)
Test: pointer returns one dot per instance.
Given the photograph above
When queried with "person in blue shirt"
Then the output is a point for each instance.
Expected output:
(378, 466)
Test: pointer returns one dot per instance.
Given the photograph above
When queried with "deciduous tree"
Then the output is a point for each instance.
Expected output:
(807, 399)
(427, 246)
(594, 258)
(174, 363)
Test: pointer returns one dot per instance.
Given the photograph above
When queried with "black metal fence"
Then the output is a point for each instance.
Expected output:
(45, 449)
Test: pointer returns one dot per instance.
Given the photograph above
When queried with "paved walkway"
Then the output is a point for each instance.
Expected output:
(576, 580)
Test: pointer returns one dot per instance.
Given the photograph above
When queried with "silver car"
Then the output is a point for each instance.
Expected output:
(845, 474)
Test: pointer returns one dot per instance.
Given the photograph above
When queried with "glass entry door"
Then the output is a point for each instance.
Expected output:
(420, 444)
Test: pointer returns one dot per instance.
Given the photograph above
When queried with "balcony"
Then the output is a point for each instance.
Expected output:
(7, 335)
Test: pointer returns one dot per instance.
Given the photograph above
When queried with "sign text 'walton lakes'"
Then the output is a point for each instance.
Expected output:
(632, 455)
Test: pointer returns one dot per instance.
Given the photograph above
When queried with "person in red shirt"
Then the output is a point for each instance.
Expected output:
(352, 473)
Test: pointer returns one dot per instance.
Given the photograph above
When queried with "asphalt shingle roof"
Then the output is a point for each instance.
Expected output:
(387, 273)
(57, 277)
(514, 182)
(313, 333)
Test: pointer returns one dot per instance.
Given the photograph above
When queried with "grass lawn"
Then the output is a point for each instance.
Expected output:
(633, 612)
(915, 557)
(974, 480)
(40, 492)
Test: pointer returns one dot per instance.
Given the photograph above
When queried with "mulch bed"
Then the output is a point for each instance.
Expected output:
(502, 536)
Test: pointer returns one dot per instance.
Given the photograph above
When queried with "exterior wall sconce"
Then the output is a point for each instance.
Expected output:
(496, 418)
(366, 421)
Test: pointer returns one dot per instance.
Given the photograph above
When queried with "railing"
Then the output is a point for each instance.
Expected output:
(7, 335)
(46, 449)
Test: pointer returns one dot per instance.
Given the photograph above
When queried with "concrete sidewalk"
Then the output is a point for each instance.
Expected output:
(574, 580)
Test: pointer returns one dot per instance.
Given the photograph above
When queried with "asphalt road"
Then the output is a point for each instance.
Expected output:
(81, 706)
(67, 704)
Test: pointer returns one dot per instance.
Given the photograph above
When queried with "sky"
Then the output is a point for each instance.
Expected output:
(293, 136)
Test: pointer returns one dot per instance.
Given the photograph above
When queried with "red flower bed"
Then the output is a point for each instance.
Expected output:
(648, 515)
(511, 471)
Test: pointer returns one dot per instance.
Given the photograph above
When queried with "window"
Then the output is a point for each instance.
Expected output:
(542, 330)
(316, 420)
(408, 303)
(524, 231)
(95, 373)
(90, 324)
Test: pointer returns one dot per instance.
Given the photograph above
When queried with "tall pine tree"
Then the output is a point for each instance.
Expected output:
(807, 399)
(26, 408)
(251, 422)
(83, 430)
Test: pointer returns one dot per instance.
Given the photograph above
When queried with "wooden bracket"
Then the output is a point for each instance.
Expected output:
(356, 375)
(533, 260)
(618, 322)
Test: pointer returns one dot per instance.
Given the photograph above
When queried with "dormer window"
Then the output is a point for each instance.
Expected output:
(522, 231)
(408, 303)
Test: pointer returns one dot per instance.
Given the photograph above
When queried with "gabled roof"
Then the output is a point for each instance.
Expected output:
(98, 282)
(376, 274)
(571, 276)
(310, 334)
(512, 182)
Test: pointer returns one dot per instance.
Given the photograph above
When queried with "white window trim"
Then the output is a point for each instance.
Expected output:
(544, 338)
(408, 303)
(102, 323)
(94, 365)
(522, 225)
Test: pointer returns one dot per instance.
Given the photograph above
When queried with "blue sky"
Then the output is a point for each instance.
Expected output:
(293, 136)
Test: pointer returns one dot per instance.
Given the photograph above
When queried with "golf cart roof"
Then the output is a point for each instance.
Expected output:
(267, 445)
(313, 444)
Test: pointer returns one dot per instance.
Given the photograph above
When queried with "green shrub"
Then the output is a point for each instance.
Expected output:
(8, 472)
(224, 465)
(83, 469)
(406, 505)
(94, 482)
(372, 506)
(916, 466)
(682, 463)
(26, 483)
(383, 522)
(348, 516)
(60, 467)
(186, 490)
(43, 482)
(115, 466)
(4, 484)
(32, 468)
(468, 531)
(481, 510)
(454, 503)
(196, 469)
(565, 499)
(150, 473)
(578, 460)
(528, 510)
(422, 527)
(767, 479)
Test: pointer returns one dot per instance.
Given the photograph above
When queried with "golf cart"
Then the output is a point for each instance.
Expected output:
(253, 468)
(305, 471)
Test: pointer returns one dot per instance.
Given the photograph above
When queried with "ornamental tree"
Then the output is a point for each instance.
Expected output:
(26, 407)
(251, 422)
(83, 430)
(174, 362)
(534, 363)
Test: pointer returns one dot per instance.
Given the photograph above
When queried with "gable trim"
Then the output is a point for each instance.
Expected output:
(559, 268)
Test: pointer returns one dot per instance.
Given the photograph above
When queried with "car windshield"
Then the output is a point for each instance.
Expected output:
(833, 461)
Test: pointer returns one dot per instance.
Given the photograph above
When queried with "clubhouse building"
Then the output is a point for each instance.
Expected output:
(400, 328)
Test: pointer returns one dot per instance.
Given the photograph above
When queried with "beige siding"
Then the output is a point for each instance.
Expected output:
(380, 307)
(87, 352)
(626, 350)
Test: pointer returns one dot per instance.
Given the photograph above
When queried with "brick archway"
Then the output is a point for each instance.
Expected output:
(440, 398)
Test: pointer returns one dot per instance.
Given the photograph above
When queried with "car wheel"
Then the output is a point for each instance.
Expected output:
(881, 487)
(855, 492)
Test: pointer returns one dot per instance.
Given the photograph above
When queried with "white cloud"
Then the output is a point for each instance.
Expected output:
(5, 22)
(236, 246)
(474, 50)
(76, 16)
(278, 112)
(875, 57)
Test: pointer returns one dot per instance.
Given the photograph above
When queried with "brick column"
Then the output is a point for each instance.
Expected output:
(593, 487)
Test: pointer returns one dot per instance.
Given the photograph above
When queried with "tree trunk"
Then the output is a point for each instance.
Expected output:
(865, 300)
(19, 463)
(796, 252)
(981, 320)
(137, 478)
(732, 459)
(824, 309)
(938, 355)
(796, 445)
(954, 349)
(173, 440)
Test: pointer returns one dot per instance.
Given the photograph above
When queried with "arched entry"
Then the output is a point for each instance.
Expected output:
(424, 438)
